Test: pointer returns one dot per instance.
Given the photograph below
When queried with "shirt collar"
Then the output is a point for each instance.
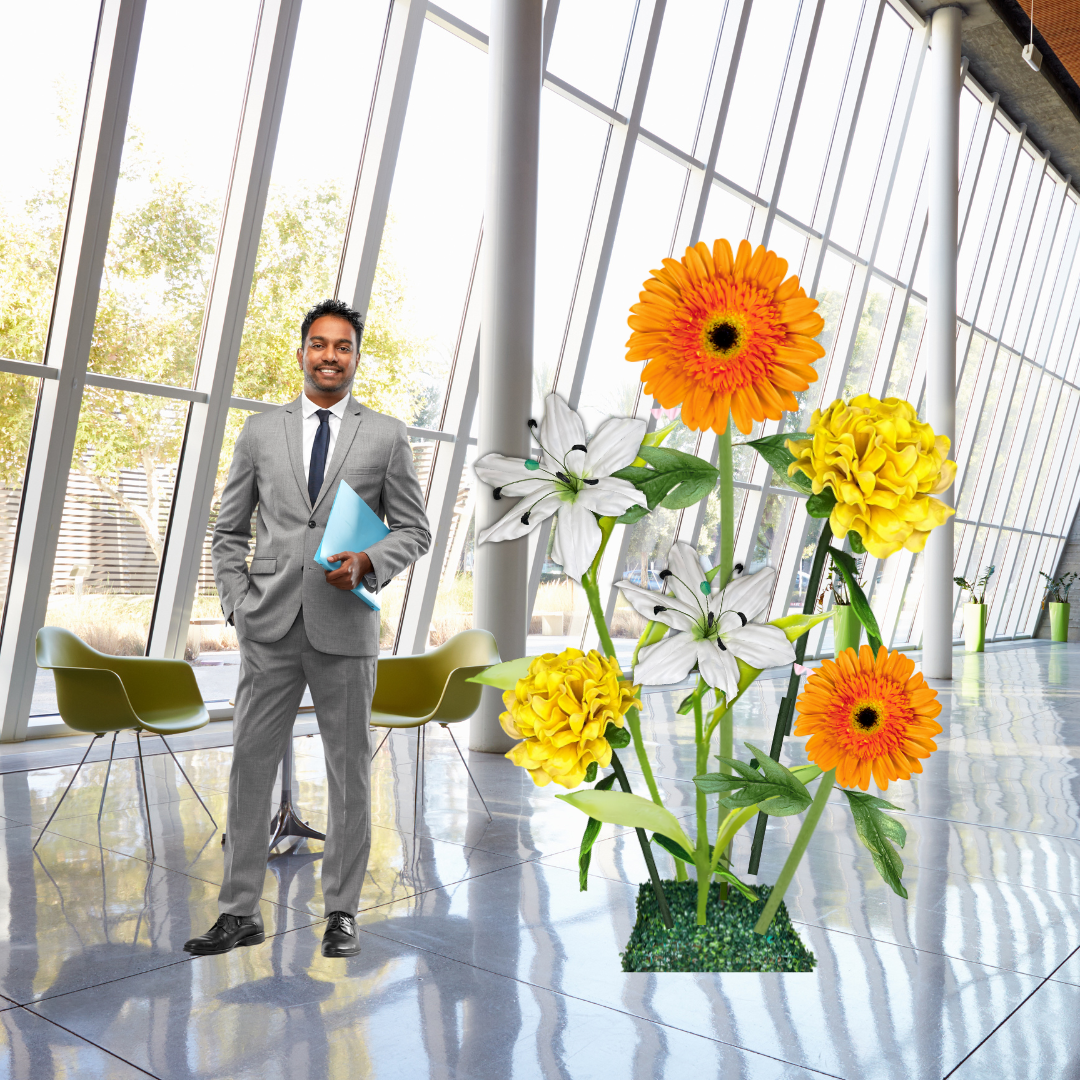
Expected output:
(309, 408)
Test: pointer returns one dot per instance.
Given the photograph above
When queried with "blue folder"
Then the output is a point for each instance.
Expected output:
(352, 526)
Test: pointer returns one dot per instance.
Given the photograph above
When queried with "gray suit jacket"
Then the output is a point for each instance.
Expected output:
(372, 455)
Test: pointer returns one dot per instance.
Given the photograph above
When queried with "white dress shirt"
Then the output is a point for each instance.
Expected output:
(311, 425)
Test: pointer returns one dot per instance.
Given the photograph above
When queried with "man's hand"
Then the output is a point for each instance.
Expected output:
(355, 565)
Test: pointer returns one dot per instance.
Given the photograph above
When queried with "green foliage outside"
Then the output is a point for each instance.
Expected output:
(149, 319)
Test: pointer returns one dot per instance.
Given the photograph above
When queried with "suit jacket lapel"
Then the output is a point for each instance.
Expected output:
(294, 437)
(350, 424)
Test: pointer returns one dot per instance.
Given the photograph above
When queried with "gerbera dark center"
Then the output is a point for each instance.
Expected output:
(867, 718)
(723, 336)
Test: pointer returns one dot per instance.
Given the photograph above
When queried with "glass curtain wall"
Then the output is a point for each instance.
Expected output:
(797, 125)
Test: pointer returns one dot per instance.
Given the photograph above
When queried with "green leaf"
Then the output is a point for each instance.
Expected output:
(846, 565)
(617, 737)
(855, 540)
(673, 479)
(773, 449)
(775, 789)
(633, 515)
(821, 506)
(797, 625)
(590, 772)
(592, 831)
(878, 832)
(622, 808)
(731, 879)
(505, 676)
(675, 850)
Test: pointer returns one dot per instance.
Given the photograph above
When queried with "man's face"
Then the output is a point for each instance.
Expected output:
(328, 358)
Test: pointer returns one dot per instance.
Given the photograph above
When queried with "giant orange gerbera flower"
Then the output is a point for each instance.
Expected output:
(867, 714)
(724, 334)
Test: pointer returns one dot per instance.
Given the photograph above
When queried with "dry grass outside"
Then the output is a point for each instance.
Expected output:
(453, 609)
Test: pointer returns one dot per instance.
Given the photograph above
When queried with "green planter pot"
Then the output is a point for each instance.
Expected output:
(846, 629)
(975, 627)
(1059, 622)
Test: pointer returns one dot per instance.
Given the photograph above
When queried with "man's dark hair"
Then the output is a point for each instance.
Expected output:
(337, 308)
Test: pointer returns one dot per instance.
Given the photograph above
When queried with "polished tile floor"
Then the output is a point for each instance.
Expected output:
(482, 959)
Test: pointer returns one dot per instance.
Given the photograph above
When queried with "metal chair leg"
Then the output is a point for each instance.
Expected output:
(418, 785)
(146, 797)
(389, 732)
(467, 769)
(108, 769)
(68, 788)
(189, 783)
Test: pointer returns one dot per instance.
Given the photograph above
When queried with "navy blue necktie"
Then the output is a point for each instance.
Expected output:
(318, 455)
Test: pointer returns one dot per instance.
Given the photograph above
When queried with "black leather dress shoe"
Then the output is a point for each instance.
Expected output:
(228, 932)
(341, 938)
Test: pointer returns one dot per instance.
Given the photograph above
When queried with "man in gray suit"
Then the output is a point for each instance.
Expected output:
(299, 625)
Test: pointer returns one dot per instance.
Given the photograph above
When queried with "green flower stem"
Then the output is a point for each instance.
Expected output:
(727, 504)
(592, 592)
(702, 860)
(813, 815)
(787, 705)
(729, 827)
(646, 848)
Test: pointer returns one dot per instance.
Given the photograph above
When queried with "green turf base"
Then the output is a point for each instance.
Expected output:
(726, 942)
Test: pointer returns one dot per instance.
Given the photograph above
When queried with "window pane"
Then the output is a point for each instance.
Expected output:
(875, 115)
(18, 399)
(757, 87)
(113, 527)
(430, 239)
(681, 69)
(829, 73)
(589, 46)
(173, 180)
(643, 240)
(572, 144)
(45, 128)
(307, 206)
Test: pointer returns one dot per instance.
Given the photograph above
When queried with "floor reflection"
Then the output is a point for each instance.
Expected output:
(482, 958)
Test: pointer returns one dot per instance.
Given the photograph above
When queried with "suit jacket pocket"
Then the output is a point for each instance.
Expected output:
(263, 566)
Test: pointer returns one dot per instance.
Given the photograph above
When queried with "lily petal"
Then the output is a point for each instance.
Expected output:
(609, 496)
(560, 429)
(510, 526)
(577, 539)
(645, 602)
(614, 446)
(686, 576)
(498, 470)
(748, 593)
(760, 646)
(717, 667)
(668, 661)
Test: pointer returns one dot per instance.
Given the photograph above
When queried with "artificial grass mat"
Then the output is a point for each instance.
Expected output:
(726, 942)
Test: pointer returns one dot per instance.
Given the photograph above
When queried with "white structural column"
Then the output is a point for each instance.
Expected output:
(944, 183)
(501, 570)
(67, 350)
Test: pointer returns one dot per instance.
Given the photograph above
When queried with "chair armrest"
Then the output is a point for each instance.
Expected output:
(460, 698)
(93, 699)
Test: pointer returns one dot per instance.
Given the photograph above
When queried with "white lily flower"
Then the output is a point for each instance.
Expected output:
(712, 626)
(572, 479)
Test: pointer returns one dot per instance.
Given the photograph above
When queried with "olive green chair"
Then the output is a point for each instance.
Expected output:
(98, 693)
(414, 691)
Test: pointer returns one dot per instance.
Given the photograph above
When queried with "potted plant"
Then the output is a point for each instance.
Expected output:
(975, 611)
(846, 626)
(1057, 596)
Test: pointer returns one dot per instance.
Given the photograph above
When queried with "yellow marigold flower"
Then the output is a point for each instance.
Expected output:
(725, 333)
(561, 710)
(883, 465)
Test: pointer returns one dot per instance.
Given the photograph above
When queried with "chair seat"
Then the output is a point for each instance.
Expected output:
(174, 721)
(394, 720)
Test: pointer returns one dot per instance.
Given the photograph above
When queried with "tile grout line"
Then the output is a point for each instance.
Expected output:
(1011, 1014)
(90, 1042)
